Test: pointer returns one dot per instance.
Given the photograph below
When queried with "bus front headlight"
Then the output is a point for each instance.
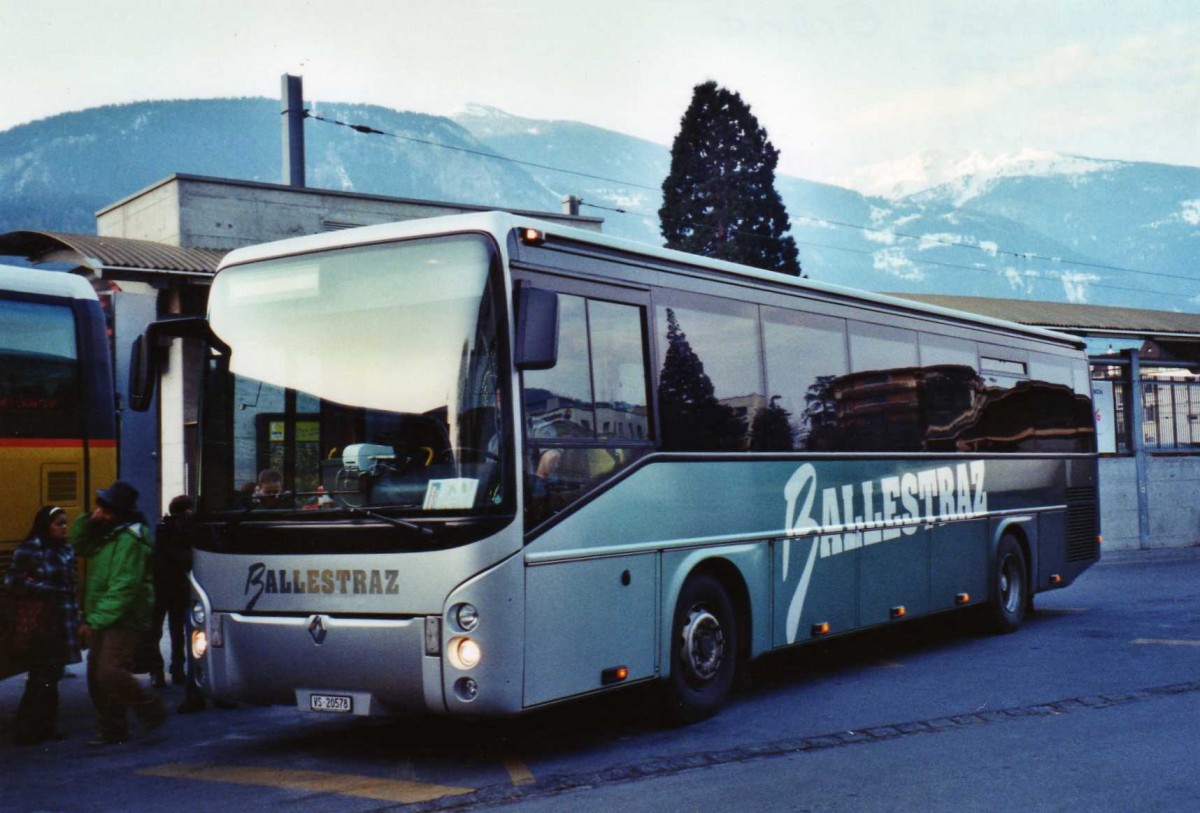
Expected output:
(198, 614)
(199, 644)
(463, 653)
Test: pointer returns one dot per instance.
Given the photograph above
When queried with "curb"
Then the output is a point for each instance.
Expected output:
(1187, 553)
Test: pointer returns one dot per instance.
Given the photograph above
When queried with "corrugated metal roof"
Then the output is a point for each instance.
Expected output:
(111, 253)
(1098, 320)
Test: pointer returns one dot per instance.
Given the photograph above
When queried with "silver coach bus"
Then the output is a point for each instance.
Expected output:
(478, 464)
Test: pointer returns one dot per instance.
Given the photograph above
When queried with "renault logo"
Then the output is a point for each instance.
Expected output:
(316, 628)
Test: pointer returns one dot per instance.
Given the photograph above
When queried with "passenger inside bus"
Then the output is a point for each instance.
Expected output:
(268, 490)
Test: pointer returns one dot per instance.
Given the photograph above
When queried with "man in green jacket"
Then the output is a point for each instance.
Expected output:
(118, 604)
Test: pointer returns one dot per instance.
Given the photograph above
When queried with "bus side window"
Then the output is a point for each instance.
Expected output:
(588, 416)
(709, 382)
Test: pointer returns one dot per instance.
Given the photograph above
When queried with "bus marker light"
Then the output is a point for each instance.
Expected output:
(898, 612)
(614, 674)
(962, 598)
(820, 629)
(533, 237)
(1056, 579)
(433, 635)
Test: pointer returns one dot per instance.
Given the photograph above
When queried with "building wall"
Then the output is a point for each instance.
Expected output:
(1173, 485)
(215, 213)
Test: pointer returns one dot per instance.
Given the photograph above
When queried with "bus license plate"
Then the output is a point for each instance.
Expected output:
(337, 703)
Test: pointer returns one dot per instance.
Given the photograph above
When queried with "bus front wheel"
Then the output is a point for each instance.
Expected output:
(1010, 587)
(704, 649)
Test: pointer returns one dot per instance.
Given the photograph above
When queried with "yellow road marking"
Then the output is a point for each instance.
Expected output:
(519, 772)
(369, 787)
(1165, 641)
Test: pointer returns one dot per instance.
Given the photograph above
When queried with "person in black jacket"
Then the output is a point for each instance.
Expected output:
(174, 540)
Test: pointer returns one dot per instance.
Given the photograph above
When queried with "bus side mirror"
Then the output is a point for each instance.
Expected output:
(145, 354)
(143, 373)
(537, 328)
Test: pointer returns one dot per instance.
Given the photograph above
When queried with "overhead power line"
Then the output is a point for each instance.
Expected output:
(987, 249)
(362, 128)
(1024, 255)
(914, 260)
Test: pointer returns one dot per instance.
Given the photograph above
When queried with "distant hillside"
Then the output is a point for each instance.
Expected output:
(1001, 226)
(55, 173)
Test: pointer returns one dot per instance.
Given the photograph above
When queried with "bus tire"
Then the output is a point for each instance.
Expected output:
(1010, 588)
(704, 649)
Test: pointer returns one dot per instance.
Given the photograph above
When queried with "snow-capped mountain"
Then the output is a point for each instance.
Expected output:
(1003, 226)
(1032, 224)
(970, 172)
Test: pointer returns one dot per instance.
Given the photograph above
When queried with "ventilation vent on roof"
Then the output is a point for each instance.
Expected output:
(335, 225)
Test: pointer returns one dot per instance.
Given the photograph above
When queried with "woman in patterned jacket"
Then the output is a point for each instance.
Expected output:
(43, 567)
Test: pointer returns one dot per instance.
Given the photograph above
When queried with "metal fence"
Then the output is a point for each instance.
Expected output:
(1171, 411)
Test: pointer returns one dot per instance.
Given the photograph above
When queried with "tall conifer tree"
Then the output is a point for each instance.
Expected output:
(719, 199)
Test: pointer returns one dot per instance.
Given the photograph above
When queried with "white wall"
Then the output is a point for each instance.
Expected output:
(1174, 502)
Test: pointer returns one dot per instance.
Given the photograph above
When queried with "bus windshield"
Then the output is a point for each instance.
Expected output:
(360, 379)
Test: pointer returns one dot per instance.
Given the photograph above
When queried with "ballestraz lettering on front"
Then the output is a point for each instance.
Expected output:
(326, 581)
(874, 511)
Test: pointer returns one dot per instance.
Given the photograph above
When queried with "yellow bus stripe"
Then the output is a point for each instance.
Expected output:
(369, 787)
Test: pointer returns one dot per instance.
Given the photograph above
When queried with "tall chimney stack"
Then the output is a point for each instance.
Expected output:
(293, 130)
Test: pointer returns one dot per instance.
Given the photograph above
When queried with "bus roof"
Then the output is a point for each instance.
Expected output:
(49, 283)
(501, 225)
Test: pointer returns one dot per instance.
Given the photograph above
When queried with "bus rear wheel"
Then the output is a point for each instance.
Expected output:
(1010, 587)
(704, 649)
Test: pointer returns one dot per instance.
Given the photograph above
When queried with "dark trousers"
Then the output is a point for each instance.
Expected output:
(37, 714)
(111, 683)
(173, 612)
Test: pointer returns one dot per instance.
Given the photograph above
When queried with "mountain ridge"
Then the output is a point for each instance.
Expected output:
(1031, 224)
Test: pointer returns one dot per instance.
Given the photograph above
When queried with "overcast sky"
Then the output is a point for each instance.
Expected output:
(838, 84)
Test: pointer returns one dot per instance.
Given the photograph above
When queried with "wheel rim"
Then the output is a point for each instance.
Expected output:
(703, 645)
(1010, 584)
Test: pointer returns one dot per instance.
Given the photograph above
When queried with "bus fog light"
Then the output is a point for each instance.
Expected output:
(466, 689)
(463, 653)
(199, 644)
(466, 616)
(198, 615)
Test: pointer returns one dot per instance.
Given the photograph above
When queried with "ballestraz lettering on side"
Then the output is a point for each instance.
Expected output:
(874, 511)
(262, 580)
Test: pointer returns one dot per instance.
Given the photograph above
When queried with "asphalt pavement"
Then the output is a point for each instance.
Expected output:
(1094, 706)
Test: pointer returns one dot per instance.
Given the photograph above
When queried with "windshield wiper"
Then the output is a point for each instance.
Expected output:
(262, 502)
(426, 533)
